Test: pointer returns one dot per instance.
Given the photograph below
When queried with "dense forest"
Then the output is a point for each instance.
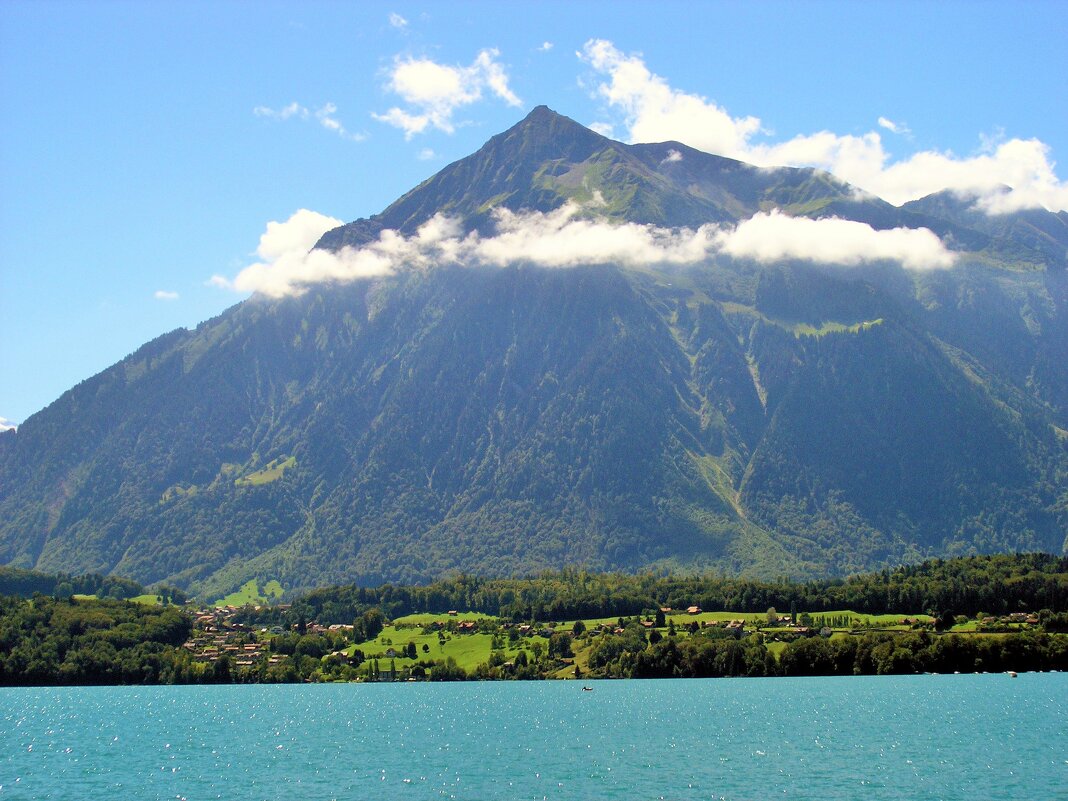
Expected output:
(16, 581)
(24, 583)
(50, 641)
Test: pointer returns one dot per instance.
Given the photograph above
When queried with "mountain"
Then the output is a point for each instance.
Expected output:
(784, 419)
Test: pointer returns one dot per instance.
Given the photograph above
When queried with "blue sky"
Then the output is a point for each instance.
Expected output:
(144, 147)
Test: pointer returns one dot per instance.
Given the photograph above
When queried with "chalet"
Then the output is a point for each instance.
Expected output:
(693, 610)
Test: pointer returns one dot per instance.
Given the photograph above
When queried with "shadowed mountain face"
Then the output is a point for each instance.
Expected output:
(782, 419)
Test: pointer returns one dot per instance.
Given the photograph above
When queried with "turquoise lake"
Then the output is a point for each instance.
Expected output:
(908, 737)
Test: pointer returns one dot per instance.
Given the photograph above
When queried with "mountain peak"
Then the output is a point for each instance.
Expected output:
(539, 113)
(543, 115)
(545, 134)
(514, 170)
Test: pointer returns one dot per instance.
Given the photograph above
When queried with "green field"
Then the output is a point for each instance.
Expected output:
(250, 594)
(271, 472)
(469, 650)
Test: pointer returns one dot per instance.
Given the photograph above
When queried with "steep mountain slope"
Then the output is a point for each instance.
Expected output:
(772, 420)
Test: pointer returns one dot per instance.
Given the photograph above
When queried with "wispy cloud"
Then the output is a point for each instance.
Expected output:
(164, 294)
(6, 425)
(294, 109)
(325, 115)
(433, 92)
(569, 237)
(672, 157)
(899, 128)
(545, 47)
(397, 21)
(219, 282)
(654, 111)
(426, 154)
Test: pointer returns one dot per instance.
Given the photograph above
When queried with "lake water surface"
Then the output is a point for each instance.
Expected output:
(914, 737)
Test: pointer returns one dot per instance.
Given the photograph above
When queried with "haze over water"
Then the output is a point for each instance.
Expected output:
(914, 737)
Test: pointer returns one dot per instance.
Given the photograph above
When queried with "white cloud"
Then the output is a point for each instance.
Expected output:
(7, 425)
(546, 47)
(653, 111)
(603, 128)
(672, 156)
(426, 154)
(562, 238)
(769, 237)
(894, 127)
(567, 238)
(289, 265)
(163, 294)
(297, 234)
(397, 21)
(433, 92)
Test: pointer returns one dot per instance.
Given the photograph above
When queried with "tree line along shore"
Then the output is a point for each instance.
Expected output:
(562, 625)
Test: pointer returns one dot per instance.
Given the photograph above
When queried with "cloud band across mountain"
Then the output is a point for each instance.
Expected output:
(570, 237)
